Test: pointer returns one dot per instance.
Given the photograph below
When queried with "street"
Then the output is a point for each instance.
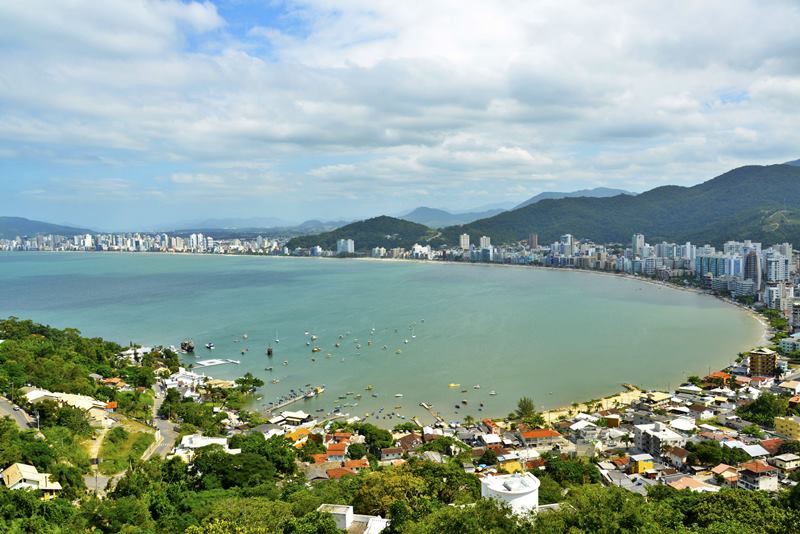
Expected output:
(22, 419)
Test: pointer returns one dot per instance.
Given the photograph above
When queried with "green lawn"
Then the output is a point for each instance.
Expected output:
(120, 447)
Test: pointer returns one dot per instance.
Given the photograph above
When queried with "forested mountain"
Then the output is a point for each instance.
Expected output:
(756, 202)
(380, 231)
(11, 227)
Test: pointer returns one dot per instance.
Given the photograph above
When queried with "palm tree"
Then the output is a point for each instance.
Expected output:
(469, 421)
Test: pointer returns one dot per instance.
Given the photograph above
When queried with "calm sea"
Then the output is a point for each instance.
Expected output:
(558, 337)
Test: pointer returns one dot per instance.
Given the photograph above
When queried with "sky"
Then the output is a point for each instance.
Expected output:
(127, 114)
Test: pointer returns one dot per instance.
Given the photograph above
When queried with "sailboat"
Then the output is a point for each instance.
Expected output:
(276, 337)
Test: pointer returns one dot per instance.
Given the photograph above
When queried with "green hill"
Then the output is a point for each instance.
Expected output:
(756, 202)
(380, 231)
(11, 227)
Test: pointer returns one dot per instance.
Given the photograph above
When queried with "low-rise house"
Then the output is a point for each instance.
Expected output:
(640, 463)
(339, 472)
(23, 476)
(356, 465)
(656, 437)
(409, 442)
(754, 451)
(349, 522)
(296, 418)
(692, 484)
(726, 475)
(772, 445)
(792, 387)
(191, 443)
(757, 475)
(541, 438)
(492, 441)
(677, 457)
(391, 453)
(786, 462)
(337, 452)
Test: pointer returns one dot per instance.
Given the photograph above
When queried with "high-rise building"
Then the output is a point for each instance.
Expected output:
(463, 241)
(637, 244)
(776, 266)
(752, 269)
(485, 242)
(763, 362)
(345, 246)
(533, 241)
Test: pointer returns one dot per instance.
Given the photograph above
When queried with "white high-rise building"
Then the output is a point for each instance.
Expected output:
(485, 242)
(345, 246)
(463, 241)
(637, 245)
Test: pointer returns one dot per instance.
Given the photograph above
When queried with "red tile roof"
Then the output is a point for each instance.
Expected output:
(757, 467)
(357, 464)
(540, 433)
(319, 458)
(337, 448)
(339, 472)
(772, 445)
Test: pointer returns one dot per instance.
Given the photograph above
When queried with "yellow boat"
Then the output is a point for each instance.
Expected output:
(316, 349)
(452, 385)
(369, 387)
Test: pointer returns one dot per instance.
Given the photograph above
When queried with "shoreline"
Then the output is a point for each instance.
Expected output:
(614, 398)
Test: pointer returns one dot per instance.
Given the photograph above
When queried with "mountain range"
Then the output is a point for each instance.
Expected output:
(11, 227)
(437, 218)
(597, 192)
(752, 202)
(755, 202)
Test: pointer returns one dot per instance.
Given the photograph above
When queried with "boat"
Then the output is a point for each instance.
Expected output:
(320, 389)
(269, 350)
(306, 332)
(375, 395)
(277, 340)
(244, 336)
(268, 368)
(285, 362)
(187, 345)
(398, 395)
(398, 351)
(405, 341)
(493, 392)
(453, 385)
(275, 381)
(316, 349)
(369, 387)
(210, 346)
(358, 347)
(476, 386)
(308, 343)
(310, 394)
(314, 338)
(463, 401)
(337, 344)
(463, 391)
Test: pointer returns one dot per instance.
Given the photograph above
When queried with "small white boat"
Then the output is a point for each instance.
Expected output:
(398, 395)
(493, 392)
(285, 362)
(210, 346)
(476, 386)
(244, 336)
(405, 341)
(277, 340)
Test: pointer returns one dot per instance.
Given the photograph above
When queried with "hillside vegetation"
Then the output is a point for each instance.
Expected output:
(11, 227)
(755, 202)
(380, 231)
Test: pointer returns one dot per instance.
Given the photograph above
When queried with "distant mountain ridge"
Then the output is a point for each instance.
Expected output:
(597, 192)
(11, 227)
(438, 218)
(752, 202)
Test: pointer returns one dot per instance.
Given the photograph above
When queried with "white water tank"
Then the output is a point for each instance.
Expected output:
(520, 491)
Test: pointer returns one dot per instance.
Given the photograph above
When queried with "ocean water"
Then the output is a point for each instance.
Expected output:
(556, 336)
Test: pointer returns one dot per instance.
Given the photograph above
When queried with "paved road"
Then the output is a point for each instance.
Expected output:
(166, 427)
(22, 419)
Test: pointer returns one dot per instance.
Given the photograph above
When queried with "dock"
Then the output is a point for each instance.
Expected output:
(211, 363)
(288, 402)
(434, 413)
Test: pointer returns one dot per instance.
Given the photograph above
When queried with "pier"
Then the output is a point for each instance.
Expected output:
(434, 413)
(210, 363)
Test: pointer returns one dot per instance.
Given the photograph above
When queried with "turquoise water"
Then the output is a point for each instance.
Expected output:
(557, 336)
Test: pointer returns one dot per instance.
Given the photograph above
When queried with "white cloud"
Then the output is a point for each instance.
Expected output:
(370, 99)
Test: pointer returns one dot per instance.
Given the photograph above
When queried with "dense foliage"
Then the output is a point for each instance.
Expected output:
(380, 231)
(753, 201)
(764, 409)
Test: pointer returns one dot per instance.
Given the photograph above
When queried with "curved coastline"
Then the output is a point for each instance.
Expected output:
(615, 396)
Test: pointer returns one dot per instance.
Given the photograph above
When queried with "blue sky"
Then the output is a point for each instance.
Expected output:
(124, 115)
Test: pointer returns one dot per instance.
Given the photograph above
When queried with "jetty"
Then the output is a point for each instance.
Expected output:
(434, 413)
(299, 396)
(213, 362)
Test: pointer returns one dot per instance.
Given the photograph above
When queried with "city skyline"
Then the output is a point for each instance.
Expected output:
(160, 112)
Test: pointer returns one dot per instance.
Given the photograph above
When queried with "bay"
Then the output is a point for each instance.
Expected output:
(556, 336)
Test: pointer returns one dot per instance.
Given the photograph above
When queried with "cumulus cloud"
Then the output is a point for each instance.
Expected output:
(377, 103)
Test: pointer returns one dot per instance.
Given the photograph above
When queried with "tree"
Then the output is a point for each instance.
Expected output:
(381, 489)
(469, 421)
(489, 457)
(789, 446)
(356, 451)
(525, 408)
(695, 380)
(753, 430)
(764, 409)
